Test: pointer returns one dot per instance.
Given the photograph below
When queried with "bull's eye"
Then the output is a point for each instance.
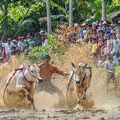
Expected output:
(32, 71)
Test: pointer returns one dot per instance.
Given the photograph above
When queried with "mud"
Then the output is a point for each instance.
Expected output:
(99, 105)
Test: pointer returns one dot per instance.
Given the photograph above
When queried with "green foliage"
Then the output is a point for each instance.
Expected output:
(110, 20)
(36, 54)
(23, 15)
(117, 68)
(53, 47)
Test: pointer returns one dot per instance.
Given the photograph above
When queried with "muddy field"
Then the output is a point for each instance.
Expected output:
(99, 104)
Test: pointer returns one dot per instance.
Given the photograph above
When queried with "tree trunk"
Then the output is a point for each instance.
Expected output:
(77, 11)
(49, 30)
(104, 10)
(70, 13)
(5, 12)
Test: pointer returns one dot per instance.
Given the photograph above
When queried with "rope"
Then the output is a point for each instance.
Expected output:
(8, 84)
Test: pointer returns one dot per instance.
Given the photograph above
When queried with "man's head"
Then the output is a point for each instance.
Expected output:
(46, 58)
(46, 55)
(110, 58)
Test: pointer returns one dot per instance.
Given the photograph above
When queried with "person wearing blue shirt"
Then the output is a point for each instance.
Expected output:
(109, 65)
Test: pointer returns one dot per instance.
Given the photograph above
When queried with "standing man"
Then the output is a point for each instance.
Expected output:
(109, 65)
(46, 71)
(7, 47)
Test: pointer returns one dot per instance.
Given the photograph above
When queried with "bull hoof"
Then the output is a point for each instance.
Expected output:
(28, 97)
(24, 95)
(84, 97)
(35, 110)
(78, 107)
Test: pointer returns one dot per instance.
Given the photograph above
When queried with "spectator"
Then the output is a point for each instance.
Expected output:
(94, 50)
(37, 41)
(100, 44)
(109, 65)
(117, 53)
(44, 40)
(7, 49)
(28, 39)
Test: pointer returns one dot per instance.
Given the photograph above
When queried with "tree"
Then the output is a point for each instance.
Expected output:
(7, 6)
(70, 13)
(49, 30)
(4, 9)
(104, 10)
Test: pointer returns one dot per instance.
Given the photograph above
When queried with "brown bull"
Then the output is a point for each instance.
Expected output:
(80, 79)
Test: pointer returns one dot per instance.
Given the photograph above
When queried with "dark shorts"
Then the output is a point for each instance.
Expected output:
(110, 76)
(49, 87)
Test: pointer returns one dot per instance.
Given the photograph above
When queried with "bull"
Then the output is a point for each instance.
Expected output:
(23, 79)
(79, 80)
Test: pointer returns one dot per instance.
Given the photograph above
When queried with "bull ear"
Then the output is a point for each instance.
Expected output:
(28, 65)
(73, 65)
(85, 65)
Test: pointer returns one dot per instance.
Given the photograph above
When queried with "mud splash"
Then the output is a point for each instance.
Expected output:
(98, 105)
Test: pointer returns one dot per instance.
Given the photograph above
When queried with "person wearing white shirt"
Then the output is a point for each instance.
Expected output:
(109, 44)
(45, 40)
(114, 43)
(7, 47)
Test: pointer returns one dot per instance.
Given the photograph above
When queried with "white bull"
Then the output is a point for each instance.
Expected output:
(24, 78)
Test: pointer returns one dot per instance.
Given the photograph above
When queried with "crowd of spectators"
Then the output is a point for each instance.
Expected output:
(20, 44)
(104, 39)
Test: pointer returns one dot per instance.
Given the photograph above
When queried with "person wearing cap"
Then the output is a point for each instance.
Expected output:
(109, 65)
(46, 71)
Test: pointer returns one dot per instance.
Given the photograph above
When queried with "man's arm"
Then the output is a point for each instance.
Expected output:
(60, 72)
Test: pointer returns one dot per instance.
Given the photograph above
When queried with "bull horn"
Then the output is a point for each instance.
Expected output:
(73, 65)
(85, 65)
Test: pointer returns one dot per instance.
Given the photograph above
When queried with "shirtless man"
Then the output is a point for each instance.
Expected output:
(46, 71)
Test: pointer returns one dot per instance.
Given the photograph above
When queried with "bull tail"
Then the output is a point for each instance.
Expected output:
(69, 81)
(68, 88)
(90, 72)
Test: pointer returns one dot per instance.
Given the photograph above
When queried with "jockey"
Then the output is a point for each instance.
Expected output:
(46, 71)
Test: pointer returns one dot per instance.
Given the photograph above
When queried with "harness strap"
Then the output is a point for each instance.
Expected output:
(8, 83)
(83, 78)
(23, 71)
(73, 72)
